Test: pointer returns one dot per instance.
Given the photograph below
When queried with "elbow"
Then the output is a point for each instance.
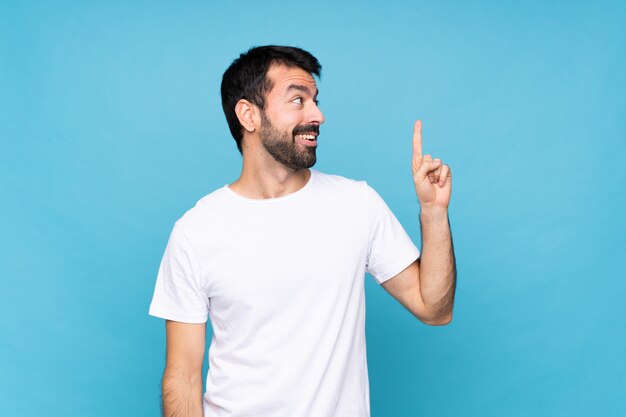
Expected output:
(180, 375)
(437, 320)
(442, 321)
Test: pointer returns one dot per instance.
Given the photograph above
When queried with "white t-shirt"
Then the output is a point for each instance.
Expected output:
(282, 281)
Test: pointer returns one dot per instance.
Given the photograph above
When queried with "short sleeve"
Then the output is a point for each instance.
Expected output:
(179, 294)
(390, 248)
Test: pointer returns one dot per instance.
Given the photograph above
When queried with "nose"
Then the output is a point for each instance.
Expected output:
(315, 115)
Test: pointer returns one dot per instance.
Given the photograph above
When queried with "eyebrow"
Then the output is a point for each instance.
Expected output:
(302, 88)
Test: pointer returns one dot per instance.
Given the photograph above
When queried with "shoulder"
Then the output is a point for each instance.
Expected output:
(339, 182)
(205, 210)
(345, 186)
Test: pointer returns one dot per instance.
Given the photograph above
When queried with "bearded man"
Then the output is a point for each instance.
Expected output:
(276, 260)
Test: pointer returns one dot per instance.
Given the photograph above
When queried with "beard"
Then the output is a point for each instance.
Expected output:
(282, 146)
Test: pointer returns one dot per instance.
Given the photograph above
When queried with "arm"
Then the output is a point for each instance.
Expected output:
(426, 287)
(182, 379)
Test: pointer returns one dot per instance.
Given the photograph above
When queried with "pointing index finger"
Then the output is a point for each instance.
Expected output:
(417, 140)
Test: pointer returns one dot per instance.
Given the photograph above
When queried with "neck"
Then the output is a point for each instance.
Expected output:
(265, 178)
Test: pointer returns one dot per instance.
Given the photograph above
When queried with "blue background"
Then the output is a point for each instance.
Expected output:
(111, 127)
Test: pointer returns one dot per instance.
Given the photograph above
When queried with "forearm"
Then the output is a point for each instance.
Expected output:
(437, 264)
(182, 393)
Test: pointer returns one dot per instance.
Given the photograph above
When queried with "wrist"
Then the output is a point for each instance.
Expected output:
(433, 213)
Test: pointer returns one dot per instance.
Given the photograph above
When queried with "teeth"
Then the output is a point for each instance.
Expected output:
(307, 137)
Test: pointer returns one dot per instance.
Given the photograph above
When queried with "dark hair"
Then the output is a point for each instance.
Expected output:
(246, 78)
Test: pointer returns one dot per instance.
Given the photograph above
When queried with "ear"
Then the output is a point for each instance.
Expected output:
(247, 114)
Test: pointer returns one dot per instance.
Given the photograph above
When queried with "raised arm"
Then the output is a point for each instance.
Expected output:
(182, 379)
(426, 288)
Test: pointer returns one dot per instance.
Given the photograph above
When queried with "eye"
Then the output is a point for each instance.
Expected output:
(297, 100)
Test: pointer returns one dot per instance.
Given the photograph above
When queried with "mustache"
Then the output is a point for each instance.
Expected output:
(312, 128)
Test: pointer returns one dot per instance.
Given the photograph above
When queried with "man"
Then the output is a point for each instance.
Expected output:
(277, 261)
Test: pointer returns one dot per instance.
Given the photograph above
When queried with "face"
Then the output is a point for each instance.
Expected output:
(291, 119)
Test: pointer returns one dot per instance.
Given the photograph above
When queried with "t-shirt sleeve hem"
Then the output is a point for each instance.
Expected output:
(175, 316)
(397, 266)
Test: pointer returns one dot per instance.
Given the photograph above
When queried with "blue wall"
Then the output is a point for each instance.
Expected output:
(111, 127)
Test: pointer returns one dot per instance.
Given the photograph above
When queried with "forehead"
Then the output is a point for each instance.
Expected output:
(283, 77)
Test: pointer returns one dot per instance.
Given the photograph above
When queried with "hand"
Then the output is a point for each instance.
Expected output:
(432, 178)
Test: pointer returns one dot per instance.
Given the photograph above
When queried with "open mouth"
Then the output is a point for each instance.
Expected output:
(306, 134)
(307, 139)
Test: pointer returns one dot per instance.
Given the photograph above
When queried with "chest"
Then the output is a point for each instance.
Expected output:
(273, 261)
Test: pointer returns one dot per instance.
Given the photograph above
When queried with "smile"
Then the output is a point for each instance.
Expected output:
(309, 137)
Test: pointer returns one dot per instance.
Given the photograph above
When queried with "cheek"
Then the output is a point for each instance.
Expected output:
(283, 116)
(286, 121)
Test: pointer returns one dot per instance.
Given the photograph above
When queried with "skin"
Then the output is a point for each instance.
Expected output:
(426, 287)
(182, 378)
(286, 107)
